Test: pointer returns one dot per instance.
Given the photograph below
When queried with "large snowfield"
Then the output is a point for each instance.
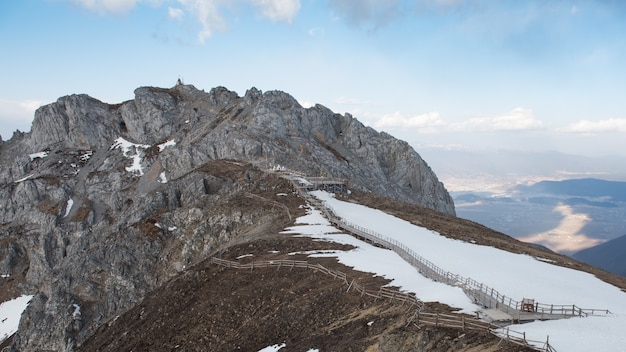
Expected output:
(514, 275)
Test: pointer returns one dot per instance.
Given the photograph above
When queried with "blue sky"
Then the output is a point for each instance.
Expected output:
(481, 74)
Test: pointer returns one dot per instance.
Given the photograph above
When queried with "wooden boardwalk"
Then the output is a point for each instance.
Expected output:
(509, 310)
(481, 294)
(415, 306)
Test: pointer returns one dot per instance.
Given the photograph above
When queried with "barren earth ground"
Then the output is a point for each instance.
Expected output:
(209, 308)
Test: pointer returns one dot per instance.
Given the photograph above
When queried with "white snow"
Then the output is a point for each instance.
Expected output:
(132, 151)
(86, 156)
(172, 228)
(245, 256)
(4, 276)
(24, 178)
(387, 263)
(68, 207)
(162, 177)
(169, 143)
(76, 312)
(273, 348)
(514, 275)
(38, 155)
(10, 314)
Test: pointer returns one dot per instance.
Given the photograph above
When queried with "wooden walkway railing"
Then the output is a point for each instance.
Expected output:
(382, 292)
(418, 318)
(479, 292)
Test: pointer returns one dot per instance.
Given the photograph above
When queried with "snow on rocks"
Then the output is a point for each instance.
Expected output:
(24, 178)
(273, 348)
(132, 151)
(38, 155)
(169, 143)
(68, 207)
(85, 157)
(10, 314)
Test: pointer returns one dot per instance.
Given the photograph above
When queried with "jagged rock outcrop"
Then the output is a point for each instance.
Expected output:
(100, 204)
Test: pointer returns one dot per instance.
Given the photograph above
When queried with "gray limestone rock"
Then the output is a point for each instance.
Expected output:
(100, 204)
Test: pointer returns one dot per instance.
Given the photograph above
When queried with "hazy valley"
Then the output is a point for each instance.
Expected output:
(564, 202)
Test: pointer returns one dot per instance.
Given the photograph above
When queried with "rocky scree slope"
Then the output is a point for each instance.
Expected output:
(100, 204)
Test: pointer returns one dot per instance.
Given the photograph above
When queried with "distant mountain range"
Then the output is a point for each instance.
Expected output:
(586, 187)
(608, 256)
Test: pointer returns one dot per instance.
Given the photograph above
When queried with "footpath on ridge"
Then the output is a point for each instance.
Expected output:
(498, 308)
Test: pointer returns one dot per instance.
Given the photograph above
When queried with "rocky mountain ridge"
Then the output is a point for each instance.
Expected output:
(270, 127)
(100, 204)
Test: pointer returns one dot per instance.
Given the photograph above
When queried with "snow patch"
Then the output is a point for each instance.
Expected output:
(24, 178)
(172, 228)
(388, 264)
(85, 157)
(278, 168)
(10, 314)
(68, 207)
(4, 276)
(38, 155)
(169, 143)
(281, 194)
(76, 312)
(273, 348)
(132, 151)
(245, 256)
(162, 177)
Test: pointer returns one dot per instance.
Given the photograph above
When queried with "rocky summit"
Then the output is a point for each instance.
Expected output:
(101, 204)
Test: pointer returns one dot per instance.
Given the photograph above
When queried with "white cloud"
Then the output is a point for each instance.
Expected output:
(209, 13)
(278, 10)
(305, 103)
(16, 115)
(425, 123)
(175, 13)
(608, 125)
(375, 13)
(516, 120)
(574, 10)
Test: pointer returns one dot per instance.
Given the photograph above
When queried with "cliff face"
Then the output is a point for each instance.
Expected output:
(270, 127)
(100, 204)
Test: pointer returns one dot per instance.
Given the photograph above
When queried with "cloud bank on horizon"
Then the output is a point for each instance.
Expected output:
(503, 74)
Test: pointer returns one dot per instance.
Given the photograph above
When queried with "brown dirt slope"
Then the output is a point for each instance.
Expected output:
(209, 308)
